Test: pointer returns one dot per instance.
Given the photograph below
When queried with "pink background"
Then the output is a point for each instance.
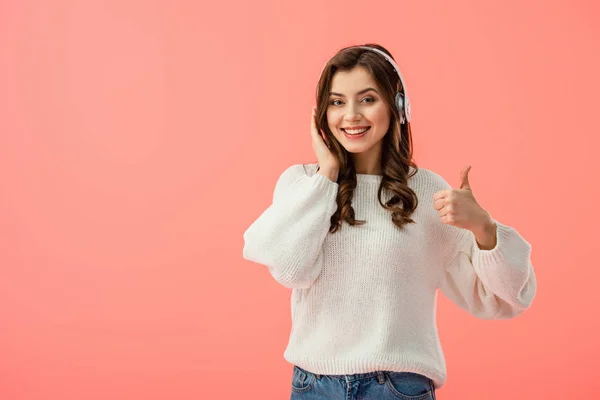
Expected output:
(139, 139)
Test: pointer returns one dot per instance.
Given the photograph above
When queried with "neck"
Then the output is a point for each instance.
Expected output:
(367, 164)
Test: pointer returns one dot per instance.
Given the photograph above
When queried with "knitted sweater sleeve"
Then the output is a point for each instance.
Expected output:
(489, 284)
(287, 237)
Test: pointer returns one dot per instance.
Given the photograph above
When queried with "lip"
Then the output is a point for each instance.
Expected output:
(355, 137)
(356, 127)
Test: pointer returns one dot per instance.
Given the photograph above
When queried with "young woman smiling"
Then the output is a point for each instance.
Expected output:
(364, 292)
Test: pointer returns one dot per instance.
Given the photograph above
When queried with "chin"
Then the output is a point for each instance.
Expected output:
(356, 149)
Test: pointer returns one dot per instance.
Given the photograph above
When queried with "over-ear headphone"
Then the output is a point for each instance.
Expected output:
(402, 101)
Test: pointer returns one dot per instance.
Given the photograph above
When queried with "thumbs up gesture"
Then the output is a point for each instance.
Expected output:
(458, 207)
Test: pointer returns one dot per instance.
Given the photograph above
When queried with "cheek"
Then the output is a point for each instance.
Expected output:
(378, 115)
(333, 120)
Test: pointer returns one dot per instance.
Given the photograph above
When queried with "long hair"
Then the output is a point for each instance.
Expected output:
(397, 149)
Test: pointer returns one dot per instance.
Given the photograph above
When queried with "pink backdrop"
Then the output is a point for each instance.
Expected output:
(139, 139)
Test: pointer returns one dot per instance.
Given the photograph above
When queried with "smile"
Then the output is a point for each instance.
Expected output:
(355, 133)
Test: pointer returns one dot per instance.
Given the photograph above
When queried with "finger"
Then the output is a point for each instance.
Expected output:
(440, 203)
(315, 131)
(441, 194)
(443, 212)
(325, 139)
(313, 126)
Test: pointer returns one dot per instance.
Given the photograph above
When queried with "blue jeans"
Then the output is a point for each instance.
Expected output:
(380, 385)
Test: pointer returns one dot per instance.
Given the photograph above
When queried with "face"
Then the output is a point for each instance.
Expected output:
(353, 104)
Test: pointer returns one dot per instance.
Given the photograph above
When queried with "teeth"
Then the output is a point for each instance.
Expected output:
(355, 131)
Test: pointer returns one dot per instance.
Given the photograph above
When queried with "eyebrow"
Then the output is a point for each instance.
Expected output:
(361, 92)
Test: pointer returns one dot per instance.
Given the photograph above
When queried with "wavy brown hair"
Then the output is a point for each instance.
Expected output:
(397, 149)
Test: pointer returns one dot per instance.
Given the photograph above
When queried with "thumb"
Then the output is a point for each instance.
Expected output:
(464, 178)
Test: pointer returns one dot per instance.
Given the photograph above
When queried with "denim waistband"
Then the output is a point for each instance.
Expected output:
(354, 377)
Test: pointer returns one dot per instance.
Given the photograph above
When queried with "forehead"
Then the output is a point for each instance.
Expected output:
(352, 81)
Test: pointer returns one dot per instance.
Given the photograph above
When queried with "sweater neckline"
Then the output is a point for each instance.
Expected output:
(368, 178)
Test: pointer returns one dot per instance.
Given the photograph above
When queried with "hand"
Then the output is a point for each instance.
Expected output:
(458, 207)
(328, 162)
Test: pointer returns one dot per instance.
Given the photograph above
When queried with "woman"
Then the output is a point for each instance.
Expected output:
(364, 293)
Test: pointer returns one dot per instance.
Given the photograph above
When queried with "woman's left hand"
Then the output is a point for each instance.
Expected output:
(458, 207)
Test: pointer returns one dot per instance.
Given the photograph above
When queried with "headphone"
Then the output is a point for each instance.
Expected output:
(402, 102)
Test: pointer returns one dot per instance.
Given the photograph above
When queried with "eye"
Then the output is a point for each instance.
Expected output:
(366, 98)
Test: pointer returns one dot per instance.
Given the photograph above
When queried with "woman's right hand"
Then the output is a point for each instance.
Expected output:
(328, 163)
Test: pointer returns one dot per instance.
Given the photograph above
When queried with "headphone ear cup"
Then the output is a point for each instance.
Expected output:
(400, 107)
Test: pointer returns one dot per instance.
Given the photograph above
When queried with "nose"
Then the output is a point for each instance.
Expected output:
(351, 114)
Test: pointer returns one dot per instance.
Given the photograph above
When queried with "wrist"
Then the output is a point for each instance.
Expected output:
(485, 235)
(332, 175)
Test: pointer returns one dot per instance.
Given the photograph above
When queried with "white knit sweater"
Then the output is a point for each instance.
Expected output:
(364, 298)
